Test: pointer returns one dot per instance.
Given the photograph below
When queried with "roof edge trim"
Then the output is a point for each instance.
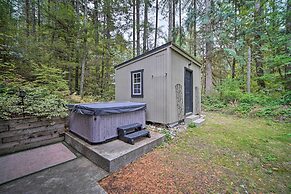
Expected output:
(144, 54)
(168, 44)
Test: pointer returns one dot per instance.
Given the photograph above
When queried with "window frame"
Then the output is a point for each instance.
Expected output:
(132, 84)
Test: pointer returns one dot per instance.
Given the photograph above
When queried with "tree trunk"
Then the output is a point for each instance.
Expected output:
(170, 29)
(234, 42)
(102, 72)
(209, 50)
(249, 70)
(157, 20)
(145, 26)
(49, 9)
(83, 63)
(96, 26)
(96, 22)
(102, 79)
(257, 48)
(77, 47)
(77, 79)
(233, 68)
(33, 18)
(180, 23)
(70, 78)
(38, 12)
(27, 16)
(288, 46)
(137, 27)
(108, 37)
(194, 28)
(174, 17)
(133, 28)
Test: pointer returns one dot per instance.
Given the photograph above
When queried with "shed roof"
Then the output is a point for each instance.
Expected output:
(168, 44)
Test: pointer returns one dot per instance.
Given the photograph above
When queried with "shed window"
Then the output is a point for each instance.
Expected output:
(137, 83)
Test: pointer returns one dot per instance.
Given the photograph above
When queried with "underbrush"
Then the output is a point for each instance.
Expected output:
(37, 102)
(229, 98)
(44, 96)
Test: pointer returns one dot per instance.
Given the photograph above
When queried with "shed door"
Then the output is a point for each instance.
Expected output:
(188, 91)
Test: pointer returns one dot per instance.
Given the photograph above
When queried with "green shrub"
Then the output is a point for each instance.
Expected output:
(247, 98)
(286, 99)
(212, 103)
(231, 99)
(38, 102)
(243, 108)
(9, 106)
(279, 112)
(41, 102)
(50, 78)
(191, 125)
(229, 90)
(168, 136)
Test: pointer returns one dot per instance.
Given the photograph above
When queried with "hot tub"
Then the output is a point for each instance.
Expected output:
(98, 122)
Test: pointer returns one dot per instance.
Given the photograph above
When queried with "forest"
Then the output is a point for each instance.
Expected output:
(60, 51)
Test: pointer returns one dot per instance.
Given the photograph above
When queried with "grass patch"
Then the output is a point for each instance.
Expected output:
(225, 155)
(254, 152)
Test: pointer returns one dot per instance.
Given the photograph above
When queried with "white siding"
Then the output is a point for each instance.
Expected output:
(179, 63)
(162, 71)
(154, 85)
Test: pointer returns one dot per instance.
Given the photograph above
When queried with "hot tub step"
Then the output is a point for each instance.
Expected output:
(126, 129)
(130, 138)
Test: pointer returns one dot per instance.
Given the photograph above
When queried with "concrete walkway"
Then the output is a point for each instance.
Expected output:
(76, 176)
(34, 160)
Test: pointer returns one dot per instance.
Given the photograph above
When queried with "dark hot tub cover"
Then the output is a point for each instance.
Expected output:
(106, 108)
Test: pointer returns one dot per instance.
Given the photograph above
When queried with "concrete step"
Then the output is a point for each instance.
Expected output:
(113, 155)
(132, 137)
(199, 122)
(191, 118)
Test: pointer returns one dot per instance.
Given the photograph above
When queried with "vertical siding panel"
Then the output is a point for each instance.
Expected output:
(159, 91)
(178, 62)
(164, 89)
(159, 87)
(169, 85)
(163, 100)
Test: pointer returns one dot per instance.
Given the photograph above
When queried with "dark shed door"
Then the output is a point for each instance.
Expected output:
(188, 91)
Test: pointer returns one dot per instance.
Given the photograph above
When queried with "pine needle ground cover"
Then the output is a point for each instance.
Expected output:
(226, 154)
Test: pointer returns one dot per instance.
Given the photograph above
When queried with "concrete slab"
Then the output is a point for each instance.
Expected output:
(113, 155)
(74, 177)
(191, 118)
(30, 161)
(199, 122)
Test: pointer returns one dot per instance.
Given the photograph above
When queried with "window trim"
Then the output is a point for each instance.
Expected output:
(132, 83)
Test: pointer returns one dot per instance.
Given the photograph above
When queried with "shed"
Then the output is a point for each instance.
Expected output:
(167, 79)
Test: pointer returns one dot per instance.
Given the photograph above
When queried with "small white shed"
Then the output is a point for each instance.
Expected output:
(167, 79)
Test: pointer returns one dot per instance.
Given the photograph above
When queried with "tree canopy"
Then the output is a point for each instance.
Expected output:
(70, 47)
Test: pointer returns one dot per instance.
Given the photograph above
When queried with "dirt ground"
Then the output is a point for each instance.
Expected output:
(158, 172)
(225, 155)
